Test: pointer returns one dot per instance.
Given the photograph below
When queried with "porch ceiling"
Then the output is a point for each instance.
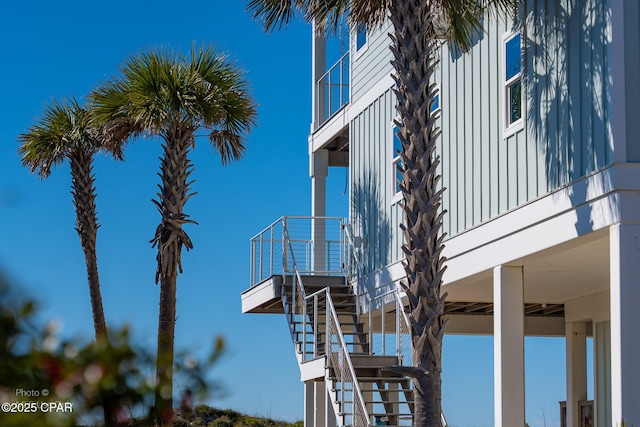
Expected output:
(554, 276)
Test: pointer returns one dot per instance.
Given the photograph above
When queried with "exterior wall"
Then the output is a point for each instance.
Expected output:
(373, 214)
(566, 134)
(624, 62)
(370, 63)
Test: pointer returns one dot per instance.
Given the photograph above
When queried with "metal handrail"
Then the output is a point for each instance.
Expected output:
(329, 248)
(297, 282)
(326, 108)
(403, 326)
(342, 365)
(350, 241)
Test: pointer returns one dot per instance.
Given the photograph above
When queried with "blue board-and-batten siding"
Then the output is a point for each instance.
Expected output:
(565, 137)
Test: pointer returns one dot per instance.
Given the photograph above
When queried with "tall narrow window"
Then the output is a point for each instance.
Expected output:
(361, 37)
(513, 82)
(397, 162)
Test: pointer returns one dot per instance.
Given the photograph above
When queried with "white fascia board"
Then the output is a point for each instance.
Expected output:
(325, 134)
(260, 294)
(588, 205)
(322, 136)
(312, 369)
(369, 97)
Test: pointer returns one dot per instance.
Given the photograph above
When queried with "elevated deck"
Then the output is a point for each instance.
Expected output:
(266, 296)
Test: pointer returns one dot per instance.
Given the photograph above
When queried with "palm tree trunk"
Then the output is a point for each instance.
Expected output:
(414, 47)
(170, 237)
(84, 196)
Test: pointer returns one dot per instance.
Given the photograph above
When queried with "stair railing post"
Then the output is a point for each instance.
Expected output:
(316, 340)
(384, 341)
(254, 259)
(370, 328)
(271, 257)
(398, 333)
(285, 245)
(260, 257)
(304, 331)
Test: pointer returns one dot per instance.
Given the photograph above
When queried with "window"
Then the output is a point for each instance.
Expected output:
(436, 103)
(361, 37)
(512, 83)
(396, 162)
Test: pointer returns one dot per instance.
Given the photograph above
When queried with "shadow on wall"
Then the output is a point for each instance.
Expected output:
(568, 78)
(371, 224)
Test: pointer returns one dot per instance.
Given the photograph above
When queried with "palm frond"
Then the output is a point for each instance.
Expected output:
(327, 15)
(504, 7)
(370, 12)
(463, 20)
(275, 14)
(63, 127)
(162, 87)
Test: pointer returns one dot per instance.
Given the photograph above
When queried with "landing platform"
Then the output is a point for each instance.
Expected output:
(265, 297)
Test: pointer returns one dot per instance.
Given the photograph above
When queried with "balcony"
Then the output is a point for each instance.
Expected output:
(332, 90)
(312, 247)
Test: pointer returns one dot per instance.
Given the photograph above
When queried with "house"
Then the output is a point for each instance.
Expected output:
(540, 160)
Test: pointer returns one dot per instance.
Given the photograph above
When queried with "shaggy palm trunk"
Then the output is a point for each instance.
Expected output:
(414, 47)
(84, 197)
(170, 237)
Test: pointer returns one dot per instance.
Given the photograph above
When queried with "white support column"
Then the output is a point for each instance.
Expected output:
(624, 270)
(321, 404)
(318, 411)
(576, 346)
(319, 169)
(319, 67)
(602, 372)
(508, 326)
(329, 414)
(309, 404)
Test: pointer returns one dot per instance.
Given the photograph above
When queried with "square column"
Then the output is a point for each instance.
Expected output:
(624, 241)
(309, 404)
(576, 345)
(318, 411)
(318, 170)
(602, 372)
(508, 346)
(318, 67)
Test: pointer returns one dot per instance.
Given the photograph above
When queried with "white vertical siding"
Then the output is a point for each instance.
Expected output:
(565, 112)
(564, 137)
(372, 63)
(374, 218)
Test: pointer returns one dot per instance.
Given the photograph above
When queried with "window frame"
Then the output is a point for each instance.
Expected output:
(510, 128)
(358, 51)
(396, 193)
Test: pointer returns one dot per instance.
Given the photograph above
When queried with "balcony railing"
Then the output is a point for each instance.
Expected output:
(333, 90)
(316, 244)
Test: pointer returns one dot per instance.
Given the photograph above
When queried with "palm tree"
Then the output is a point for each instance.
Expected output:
(166, 94)
(66, 131)
(418, 27)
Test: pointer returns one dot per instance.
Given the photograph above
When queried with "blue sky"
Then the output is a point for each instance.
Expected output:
(53, 50)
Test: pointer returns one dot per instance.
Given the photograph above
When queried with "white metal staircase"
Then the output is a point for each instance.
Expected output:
(327, 321)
